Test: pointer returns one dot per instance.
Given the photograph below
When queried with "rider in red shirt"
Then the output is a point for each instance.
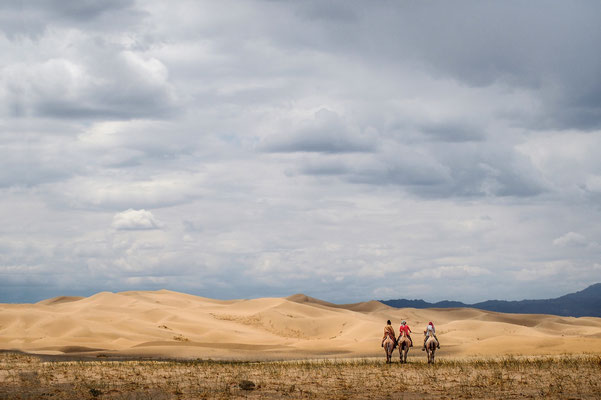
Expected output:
(405, 327)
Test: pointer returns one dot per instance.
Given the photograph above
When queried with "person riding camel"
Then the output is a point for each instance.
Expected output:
(430, 331)
(389, 331)
(404, 327)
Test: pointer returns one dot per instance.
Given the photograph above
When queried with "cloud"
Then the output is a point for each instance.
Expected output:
(436, 172)
(571, 239)
(544, 271)
(453, 132)
(326, 133)
(451, 272)
(333, 12)
(32, 18)
(106, 193)
(111, 81)
(133, 220)
(291, 147)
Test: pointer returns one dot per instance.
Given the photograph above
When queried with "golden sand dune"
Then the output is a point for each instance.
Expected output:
(170, 324)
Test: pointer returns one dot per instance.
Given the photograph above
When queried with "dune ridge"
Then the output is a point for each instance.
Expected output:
(170, 324)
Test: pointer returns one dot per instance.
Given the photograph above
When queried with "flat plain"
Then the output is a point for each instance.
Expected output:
(560, 377)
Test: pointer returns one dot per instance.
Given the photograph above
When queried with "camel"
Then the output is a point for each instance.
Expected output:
(431, 344)
(404, 344)
(388, 348)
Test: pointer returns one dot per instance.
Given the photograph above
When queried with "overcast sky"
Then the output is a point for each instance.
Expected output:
(346, 150)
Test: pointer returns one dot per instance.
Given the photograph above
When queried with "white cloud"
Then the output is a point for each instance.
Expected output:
(135, 220)
(121, 192)
(571, 239)
(88, 78)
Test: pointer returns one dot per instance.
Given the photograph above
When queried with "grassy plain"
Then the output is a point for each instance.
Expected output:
(562, 377)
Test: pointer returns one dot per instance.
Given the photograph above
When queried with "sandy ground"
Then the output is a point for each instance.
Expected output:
(175, 325)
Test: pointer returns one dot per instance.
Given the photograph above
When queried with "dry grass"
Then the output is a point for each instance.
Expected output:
(567, 377)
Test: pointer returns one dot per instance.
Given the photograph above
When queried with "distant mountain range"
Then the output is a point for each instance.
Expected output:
(586, 303)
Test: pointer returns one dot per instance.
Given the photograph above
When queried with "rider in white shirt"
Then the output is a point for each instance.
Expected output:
(430, 331)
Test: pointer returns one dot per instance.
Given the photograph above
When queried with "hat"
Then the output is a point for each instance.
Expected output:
(404, 323)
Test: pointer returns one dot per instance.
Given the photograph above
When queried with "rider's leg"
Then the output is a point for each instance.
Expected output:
(424, 346)
(437, 342)
(410, 340)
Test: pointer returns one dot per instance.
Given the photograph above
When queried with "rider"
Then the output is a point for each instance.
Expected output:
(405, 327)
(389, 331)
(430, 331)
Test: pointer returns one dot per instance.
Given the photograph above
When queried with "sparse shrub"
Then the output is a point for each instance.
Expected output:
(246, 385)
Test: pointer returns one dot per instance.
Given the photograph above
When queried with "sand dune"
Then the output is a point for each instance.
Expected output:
(170, 324)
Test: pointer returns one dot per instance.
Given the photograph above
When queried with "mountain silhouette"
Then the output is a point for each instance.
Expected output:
(586, 303)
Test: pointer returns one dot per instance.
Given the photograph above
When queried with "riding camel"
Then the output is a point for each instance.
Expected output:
(431, 345)
(404, 343)
(389, 341)
(389, 348)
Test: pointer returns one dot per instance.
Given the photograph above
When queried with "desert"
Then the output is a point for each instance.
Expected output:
(231, 199)
(164, 344)
(167, 324)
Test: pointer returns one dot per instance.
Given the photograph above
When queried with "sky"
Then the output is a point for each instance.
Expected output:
(348, 150)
